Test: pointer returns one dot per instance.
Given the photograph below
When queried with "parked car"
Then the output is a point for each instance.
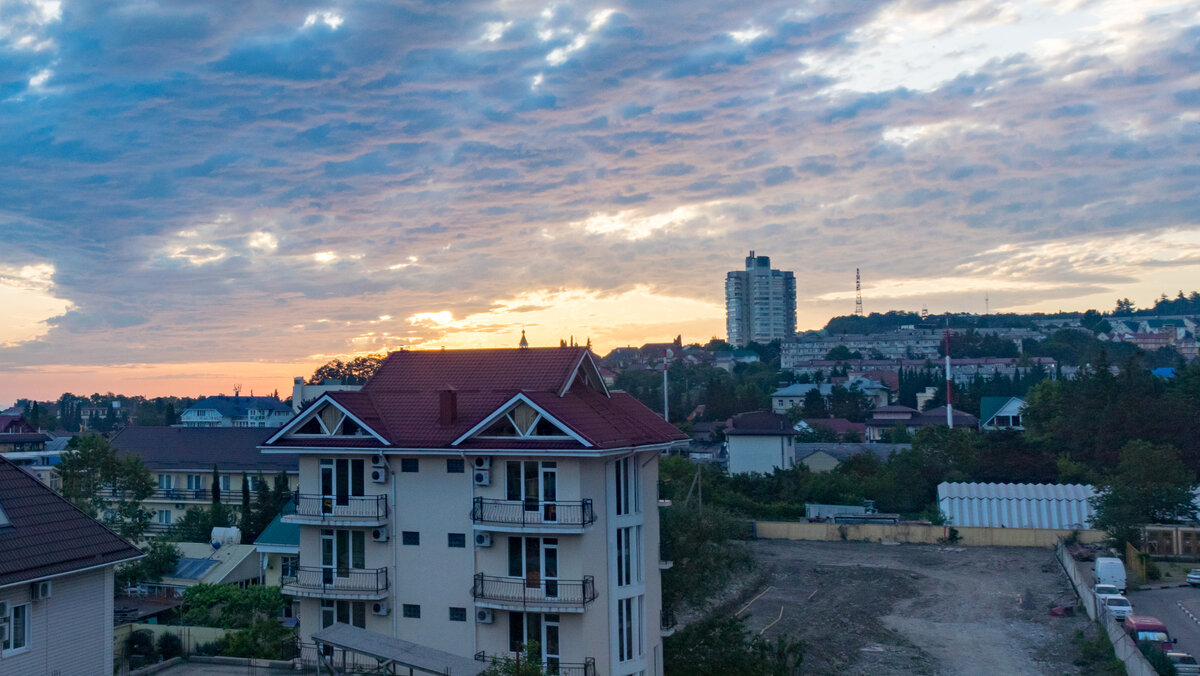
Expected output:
(1193, 577)
(1103, 591)
(1185, 664)
(1110, 570)
(1118, 606)
(1150, 629)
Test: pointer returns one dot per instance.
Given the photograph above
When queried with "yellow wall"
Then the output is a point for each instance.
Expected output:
(191, 636)
(820, 462)
(918, 533)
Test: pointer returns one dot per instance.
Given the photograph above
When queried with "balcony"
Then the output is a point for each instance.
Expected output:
(228, 497)
(343, 510)
(337, 583)
(515, 516)
(533, 594)
(550, 667)
(667, 623)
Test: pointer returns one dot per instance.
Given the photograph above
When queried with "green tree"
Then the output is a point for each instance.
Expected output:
(161, 559)
(527, 663)
(705, 550)
(229, 606)
(842, 353)
(96, 481)
(814, 404)
(1151, 485)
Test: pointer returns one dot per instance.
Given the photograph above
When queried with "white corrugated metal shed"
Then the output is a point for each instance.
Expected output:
(1016, 505)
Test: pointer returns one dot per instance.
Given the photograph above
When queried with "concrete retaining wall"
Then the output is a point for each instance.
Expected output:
(918, 534)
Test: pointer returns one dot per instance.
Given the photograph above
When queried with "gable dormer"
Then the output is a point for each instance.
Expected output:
(327, 419)
(586, 375)
(521, 418)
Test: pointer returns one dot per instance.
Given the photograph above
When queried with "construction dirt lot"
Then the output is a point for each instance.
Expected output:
(868, 608)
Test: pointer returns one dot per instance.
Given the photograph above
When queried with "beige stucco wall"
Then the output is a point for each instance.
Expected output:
(918, 533)
(820, 461)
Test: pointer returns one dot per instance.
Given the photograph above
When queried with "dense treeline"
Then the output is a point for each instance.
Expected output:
(1078, 431)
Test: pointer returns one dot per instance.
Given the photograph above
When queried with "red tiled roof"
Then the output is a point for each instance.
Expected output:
(46, 534)
(401, 401)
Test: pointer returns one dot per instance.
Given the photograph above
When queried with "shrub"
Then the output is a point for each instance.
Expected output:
(1153, 572)
(169, 645)
(140, 643)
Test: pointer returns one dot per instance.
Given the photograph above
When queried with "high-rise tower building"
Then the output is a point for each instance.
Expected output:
(760, 303)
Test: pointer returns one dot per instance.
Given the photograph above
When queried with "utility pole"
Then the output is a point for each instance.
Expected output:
(949, 380)
(666, 361)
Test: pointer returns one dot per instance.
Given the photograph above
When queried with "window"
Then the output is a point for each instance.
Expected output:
(410, 465)
(225, 482)
(455, 466)
(344, 612)
(288, 565)
(627, 495)
(410, 537)
(195, 482)
(458, 614)
(164, 516)
(165, 482)
(624, 629)
(456, 539)
(412, 610)
(625, 556)
(18, 630)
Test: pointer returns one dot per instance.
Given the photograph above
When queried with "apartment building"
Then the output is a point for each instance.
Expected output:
(236, 411)
(56, 581)
(182, 459)
(472, 501)
(760, 303)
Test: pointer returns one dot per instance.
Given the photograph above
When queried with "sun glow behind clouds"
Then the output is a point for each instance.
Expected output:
(633, 225)
(27, 294)
(608, 319)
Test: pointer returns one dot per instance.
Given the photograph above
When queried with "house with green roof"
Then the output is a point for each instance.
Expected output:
(279, 548)
(1001, 413)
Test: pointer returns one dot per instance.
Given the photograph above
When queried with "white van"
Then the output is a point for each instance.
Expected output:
(1109, 570)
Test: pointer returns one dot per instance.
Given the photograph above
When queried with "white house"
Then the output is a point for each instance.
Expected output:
(236, 411)
(760, 441)
(56, 581)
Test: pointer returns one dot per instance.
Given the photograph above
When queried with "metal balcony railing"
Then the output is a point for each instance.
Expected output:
(564, 513)
(667, 620)
(531, 591)
(551, 666)
(341, 506)
(202, 494)
(319, 579)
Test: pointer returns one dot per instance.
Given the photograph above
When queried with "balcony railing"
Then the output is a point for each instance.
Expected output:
(550, 667)
(370, 507)
(534, 592)
(337, 580)
(194, 494)
(561, 514)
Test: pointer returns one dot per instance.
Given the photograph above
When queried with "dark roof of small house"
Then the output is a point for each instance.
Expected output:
(760, 423)
(838, 425)
(16, 423)
(232, 449)
(842, 451)
(46, 535)
(23, 438)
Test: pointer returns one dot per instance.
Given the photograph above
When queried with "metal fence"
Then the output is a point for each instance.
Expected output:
(341, 506)
(317, 578)
(564, 513)
(550, 667)
(535, 592)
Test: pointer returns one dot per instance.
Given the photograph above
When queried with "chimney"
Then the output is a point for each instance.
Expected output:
(447, 406)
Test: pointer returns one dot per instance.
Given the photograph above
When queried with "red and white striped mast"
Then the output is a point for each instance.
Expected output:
(949, 381)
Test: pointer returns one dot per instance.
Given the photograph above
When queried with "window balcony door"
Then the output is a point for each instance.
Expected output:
(535, 484)
(341, 551)
(535, 560)
(341, 478)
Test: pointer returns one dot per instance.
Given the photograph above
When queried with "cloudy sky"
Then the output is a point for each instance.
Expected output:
(194, 195)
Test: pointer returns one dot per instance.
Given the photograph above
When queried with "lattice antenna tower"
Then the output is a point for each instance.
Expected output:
(858, 292)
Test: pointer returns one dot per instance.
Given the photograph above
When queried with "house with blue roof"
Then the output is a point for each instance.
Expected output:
(237, 411)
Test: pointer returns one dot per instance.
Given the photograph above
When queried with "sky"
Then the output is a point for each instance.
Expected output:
(207, 194)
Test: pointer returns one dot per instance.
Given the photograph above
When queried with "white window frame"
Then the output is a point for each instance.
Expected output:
(10, 619)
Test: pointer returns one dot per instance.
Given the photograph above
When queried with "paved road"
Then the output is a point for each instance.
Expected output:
(1161, 603)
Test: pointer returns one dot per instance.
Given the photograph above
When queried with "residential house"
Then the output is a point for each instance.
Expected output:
(826, 457)
(236, 411)
(839, 426)
(786, 398)
(759, 441)
(1001, 413)
(279, 549)
(471, 501)
(56, 581)
(181, 460)
(17, 435)
(205, 563)
(886, 418)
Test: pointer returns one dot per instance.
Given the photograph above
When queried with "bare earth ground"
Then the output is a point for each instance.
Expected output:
(867, 608)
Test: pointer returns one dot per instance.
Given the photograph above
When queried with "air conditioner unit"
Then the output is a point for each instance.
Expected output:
(483, 477)
(40, 590)
(483, 539)
(379, 534)
(378, 460)
(178, 505)
(379, 475)
(485, 616)
(381, 608)
(482, 461)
